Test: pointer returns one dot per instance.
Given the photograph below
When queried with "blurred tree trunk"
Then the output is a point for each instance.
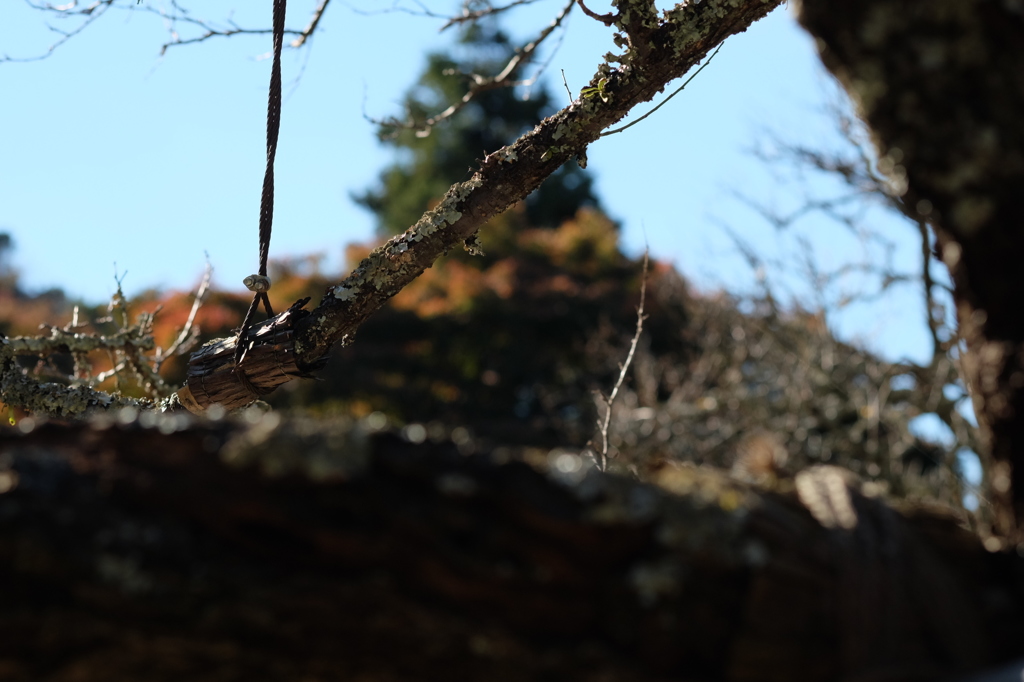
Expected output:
(291, 551)
(941, 85)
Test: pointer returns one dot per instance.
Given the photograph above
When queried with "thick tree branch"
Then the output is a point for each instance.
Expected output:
(668, 48)
(658, 50)
(53, 399)
(508, 175)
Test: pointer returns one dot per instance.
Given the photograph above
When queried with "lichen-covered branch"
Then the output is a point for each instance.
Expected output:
(658, 50)
(73, 395)
(62, 340)
(939, 83)
(53, 399)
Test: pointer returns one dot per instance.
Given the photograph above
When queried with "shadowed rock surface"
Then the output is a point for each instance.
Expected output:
(161, 548)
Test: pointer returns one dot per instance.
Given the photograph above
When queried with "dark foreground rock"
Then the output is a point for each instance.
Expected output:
(162, 548)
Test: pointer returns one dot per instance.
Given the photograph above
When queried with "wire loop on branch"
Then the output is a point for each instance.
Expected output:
(260, 283)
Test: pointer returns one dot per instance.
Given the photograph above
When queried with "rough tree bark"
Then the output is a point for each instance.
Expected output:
(146, 547)
(941, 85)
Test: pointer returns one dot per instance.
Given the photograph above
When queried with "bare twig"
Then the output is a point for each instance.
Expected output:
(481, 84)
(469, 16)
(60, 341)
(19, 389)
(147, 376)
(609, 401)
(178, 15)
(318, 14)
(126, 349)
(566, 84)
(397, 7)
(188, 333)
(833, 207)
(665, 101)
(92, 13)
(884, 396)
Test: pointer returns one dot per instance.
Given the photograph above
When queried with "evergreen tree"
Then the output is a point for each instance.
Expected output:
(430, 163)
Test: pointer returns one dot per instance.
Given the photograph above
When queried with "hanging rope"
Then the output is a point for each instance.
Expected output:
(259, 283)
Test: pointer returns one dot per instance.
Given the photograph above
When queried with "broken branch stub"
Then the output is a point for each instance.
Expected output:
(269, 361)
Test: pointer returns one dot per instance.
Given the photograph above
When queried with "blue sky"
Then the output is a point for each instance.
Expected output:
(113, 154)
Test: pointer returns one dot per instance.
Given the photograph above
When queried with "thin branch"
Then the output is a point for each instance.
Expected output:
(397, 6)
(188, 333)
(665, 101)
(17, 388)
(61, 341)
(829, 207)
(566, 84)
(469, 16)
(623, 368)
(211, 32)
(318, 14)
(147, 376)
(178, 15)
(523, 55)
(92, 13)
(481, 84)
(530, 82)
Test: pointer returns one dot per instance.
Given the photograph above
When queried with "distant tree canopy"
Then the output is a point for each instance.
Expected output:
(429, 163)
